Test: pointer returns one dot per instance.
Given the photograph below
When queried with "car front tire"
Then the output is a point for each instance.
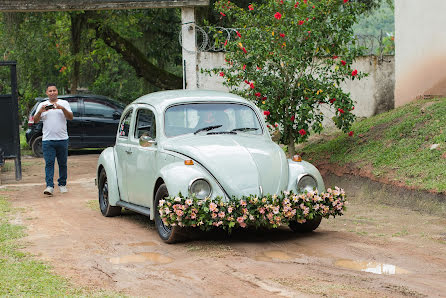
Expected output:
(36, 147)
(306, 227)
(169, 234)
(106, 209)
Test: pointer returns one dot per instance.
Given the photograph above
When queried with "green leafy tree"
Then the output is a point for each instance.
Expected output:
(290, 58)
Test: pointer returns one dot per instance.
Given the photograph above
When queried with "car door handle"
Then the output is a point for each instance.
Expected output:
(129, 151)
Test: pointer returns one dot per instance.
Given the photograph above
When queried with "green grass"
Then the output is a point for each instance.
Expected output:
(395, 145)
(20, 274)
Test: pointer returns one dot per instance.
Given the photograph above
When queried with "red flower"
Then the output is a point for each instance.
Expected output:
(282, 35)
(222, 74)
(345, 1)
(277, 125)
(258, 94)
(264, 98)
(301, 22)
(251, 85)
(305, 1)
(246, 81)
(335, 57)
(278, 15)
(292, 118)
(238, 34)
(295, 5)
(226, 42)
(341, 111)
(258, 68)
(354, 73)
(222, 14)
(244, 67)
(332, 100)
(266, 113)
(302, 132)
(351, 133)
(244, 50)
(281, 1)
(250, 7)
(343, 62)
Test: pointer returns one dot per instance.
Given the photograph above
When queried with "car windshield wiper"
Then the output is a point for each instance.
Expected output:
(245, 129)
(222, 133)
(207, 128)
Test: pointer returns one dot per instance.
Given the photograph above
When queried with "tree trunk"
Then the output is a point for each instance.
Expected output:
(291, 145)
(77, 22)
(130, 53)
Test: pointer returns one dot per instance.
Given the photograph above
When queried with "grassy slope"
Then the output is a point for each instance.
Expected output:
(20, 275)
(395, 145)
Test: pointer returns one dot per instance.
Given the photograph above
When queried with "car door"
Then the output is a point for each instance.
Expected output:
(74, 127)
(123, 150)
(142, 162)
(99, 120)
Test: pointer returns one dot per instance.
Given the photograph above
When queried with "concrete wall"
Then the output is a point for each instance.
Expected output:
(420, 52)
(373, 94)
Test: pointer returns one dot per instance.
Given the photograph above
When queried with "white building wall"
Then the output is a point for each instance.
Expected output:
(373, 94)
(420, 40)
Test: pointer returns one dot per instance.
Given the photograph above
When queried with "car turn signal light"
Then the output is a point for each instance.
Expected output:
(297, 158)
(189, 162)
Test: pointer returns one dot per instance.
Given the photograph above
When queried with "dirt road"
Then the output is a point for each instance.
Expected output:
(374, 250)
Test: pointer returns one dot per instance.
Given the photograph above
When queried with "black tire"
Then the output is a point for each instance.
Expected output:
(306, 227)
(36, 147)
(104, 204)
(167, 233)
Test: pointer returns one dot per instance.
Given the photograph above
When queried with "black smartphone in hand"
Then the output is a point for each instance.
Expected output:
(49, 107)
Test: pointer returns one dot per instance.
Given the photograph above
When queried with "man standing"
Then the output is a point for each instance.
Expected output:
(54, 112)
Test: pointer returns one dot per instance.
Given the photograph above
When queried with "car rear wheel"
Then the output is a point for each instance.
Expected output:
(306, 227)
(36, 147)
(169, 234)
(104, 204)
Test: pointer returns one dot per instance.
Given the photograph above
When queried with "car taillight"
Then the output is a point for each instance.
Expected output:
(30, 120)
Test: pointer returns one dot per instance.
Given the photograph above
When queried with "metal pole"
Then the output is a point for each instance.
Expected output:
(16, 122)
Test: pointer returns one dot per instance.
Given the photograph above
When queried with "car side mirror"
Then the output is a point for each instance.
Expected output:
(116, 115)
(146, 141)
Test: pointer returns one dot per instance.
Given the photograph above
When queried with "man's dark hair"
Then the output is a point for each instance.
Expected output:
(50, 85)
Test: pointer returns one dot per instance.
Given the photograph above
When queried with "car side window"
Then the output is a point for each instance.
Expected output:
(98, 109)
(74, 106)
(124, 126)
(145, 124)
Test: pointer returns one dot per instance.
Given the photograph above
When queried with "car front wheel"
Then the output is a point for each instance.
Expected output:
(104, 204)
(169, 234)
(306, 227)
(36, 146)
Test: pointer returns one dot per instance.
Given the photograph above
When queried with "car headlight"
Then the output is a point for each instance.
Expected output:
(200, 188)
(306, 183)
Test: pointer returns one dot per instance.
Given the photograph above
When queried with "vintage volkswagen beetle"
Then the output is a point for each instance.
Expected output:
(205, 143)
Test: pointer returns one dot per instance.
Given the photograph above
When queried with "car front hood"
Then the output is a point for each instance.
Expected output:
(243, 165)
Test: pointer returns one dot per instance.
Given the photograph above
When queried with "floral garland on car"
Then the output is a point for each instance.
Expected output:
(269, 211)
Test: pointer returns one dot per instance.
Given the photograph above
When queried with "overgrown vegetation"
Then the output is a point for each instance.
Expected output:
(406, 145)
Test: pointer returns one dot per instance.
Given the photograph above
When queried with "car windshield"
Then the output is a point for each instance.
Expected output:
(211, 118)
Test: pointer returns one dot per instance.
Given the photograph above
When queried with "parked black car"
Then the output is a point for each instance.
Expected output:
(94, 124)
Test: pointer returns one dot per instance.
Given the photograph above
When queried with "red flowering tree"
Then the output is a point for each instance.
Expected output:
(290, 58)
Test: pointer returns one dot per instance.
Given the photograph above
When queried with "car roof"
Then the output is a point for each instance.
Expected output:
(102, 97)
(163, 99)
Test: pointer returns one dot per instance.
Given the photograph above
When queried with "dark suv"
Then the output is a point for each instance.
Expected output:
(94, 124)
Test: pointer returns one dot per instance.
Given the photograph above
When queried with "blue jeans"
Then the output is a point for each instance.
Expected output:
(51, 151)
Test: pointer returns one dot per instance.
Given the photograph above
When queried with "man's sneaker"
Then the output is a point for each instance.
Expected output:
(49, 190)
(63, 188)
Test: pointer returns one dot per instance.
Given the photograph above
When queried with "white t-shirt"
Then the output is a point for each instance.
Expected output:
(54, 121)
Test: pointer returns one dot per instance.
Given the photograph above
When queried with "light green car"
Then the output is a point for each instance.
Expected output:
(195, 142)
